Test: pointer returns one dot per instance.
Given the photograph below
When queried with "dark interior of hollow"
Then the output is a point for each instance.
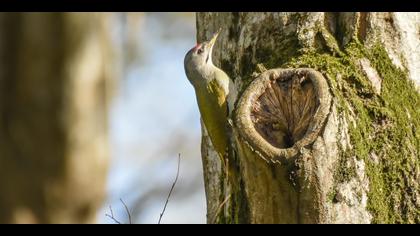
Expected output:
(283, 112)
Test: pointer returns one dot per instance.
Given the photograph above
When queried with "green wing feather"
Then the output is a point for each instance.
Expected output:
(213, 109)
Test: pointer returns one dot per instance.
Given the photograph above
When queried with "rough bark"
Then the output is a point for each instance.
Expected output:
(357, 163)
(54, 73)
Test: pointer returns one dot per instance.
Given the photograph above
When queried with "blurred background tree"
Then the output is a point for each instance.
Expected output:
(79, 125)
(54, 74)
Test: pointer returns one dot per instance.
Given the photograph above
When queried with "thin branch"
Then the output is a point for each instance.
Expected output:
(128, 212)
(220, 208)
(112, 216)
(221, 205)
(172, 188)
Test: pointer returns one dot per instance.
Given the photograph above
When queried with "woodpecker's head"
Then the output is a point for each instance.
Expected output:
(198, 59)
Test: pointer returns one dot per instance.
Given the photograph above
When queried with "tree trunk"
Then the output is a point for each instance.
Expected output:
(54, 69)
(331, 132)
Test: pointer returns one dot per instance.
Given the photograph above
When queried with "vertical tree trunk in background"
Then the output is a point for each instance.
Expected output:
(353, 155)
(54, 70)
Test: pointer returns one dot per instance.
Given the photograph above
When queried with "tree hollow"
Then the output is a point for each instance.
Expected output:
(283, 110)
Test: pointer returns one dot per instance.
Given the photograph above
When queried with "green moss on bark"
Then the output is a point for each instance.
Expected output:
(386, 126)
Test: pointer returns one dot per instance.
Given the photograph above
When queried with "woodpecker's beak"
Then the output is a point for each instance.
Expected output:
(213, 39)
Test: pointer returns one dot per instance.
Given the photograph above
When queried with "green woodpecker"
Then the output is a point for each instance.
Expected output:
(213, 89)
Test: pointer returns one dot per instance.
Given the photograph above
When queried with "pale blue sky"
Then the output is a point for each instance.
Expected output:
(153, 118)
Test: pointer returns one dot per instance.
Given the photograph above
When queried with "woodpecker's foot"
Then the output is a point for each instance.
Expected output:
(261, 68)
(230, 122)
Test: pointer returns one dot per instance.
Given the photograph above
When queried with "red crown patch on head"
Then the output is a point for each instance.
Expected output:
(197, 46)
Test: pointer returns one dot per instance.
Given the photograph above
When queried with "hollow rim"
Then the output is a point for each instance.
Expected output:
(246, 128)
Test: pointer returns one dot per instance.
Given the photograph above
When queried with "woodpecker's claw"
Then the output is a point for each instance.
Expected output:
(230, 122)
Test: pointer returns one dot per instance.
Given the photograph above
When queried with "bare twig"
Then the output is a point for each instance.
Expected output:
(128, 212)
(172, 188)
(112, 216)
(220, 208)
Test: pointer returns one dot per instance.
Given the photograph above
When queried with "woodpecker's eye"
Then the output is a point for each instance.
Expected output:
(200, 50)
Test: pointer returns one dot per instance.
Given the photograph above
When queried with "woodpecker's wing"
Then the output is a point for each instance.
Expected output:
(213, 109)
(219, 91)
(229, 88)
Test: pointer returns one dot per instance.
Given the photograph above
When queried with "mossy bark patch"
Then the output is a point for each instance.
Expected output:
(383, 125)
